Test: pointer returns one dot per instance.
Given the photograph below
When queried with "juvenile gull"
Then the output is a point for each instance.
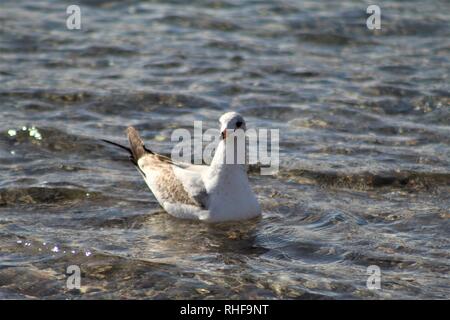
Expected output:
(215, 193)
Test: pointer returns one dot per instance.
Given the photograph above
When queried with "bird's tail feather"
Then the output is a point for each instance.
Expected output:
(136, 144)
(124, 148)
(137, 148)
(118, 145)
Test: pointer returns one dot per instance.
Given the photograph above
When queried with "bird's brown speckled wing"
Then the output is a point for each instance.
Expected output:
(171, 182)
(184, 187)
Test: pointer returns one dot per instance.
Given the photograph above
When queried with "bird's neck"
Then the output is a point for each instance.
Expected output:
(222, 163)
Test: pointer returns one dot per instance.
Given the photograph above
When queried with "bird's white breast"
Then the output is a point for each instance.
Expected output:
(231, 197)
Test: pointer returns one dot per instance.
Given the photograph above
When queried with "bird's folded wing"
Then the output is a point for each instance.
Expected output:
(192, 181)
(173, 183)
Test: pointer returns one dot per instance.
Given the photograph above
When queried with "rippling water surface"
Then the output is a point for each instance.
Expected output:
(364, 147)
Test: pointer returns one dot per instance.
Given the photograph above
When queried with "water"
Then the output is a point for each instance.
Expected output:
(365, 148)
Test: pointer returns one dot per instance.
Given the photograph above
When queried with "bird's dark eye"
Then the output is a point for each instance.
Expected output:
(238, 124)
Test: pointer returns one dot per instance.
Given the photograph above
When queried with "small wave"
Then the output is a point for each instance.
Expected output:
(412, 181)
(41, 195)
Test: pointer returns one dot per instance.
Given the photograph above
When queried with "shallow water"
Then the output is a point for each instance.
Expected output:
(364, 123)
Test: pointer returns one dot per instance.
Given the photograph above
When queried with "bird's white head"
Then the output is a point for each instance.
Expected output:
(231, 121)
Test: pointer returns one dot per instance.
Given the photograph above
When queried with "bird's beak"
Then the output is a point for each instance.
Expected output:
(224, 134)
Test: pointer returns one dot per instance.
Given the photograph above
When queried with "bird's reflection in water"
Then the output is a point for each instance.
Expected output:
(173, 240)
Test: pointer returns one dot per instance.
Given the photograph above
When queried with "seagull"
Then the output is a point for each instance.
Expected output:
(219, 192)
